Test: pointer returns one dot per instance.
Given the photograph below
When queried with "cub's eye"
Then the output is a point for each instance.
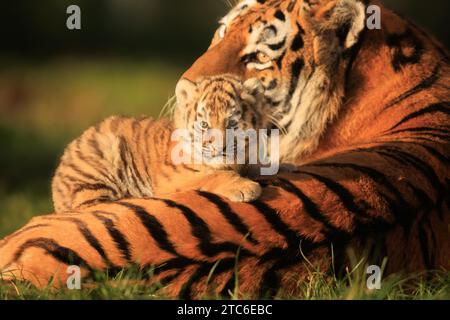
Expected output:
(232, 123)
(204, 125)
(262, 58)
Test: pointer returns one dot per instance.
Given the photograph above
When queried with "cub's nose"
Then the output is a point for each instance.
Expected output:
(185, 91)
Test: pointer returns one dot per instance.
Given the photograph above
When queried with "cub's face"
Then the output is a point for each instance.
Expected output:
(221, 106)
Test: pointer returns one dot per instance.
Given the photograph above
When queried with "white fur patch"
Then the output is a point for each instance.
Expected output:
(354, 11)
(255, 43)
(238, 10)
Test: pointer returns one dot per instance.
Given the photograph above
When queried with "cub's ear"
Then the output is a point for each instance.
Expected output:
(185, 92)
(344, 18)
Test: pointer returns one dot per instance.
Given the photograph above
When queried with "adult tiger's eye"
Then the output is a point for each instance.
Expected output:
(263, 58)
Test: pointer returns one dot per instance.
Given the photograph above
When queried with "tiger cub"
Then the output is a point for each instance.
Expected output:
(124, 157)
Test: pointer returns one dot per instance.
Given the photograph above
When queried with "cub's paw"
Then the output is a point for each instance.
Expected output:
(243, 191)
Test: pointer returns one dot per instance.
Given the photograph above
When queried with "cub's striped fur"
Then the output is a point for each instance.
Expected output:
(378, 174)
(132, 157)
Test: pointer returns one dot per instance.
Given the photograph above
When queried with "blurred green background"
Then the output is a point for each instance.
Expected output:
(126, 60)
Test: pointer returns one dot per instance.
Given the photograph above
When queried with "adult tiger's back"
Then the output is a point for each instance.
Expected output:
(376, 170)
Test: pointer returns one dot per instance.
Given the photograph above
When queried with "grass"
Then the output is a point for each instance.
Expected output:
(129, 284)
(44, 105)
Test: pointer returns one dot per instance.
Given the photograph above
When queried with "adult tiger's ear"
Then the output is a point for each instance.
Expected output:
(335, 24)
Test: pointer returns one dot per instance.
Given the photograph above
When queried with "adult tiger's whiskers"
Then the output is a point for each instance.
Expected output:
(277, 124)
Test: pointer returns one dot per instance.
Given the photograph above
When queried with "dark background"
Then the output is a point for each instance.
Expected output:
(54, 83)
(166, 28)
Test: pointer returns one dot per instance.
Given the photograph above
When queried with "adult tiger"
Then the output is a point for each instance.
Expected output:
(374, 168)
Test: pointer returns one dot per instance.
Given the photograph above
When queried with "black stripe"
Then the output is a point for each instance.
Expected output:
(277, 46)
(228, 287)
(424, 245)
(280, 15)
(230, 215)
(298, 42)
(168, 279)
(185, 167)
(397, 42)
(291, 5)
(271, 102)
(423, 85)
(438, 46)
(173, 264)
(273, 218)
(145, 151)
(94, 163)
(6, 240)
(408, 159)
(92, 240)
(154, 227)
(433, 132)
(201, 231)
(417, 163)
(271, 281)
(418, 193)
(94, 187)
(92, 202)
(375, 175)
(439, 107)
(60, 253)
(88, 236)
(279, 60)
(400, 207)
(272, 85)
(79, 171)
(445, 160)
(443, 130)
(310, 207)
(93, 143)
(296, 68)
(134, 172)
(119, 238)
(346, 198)
(202, 271)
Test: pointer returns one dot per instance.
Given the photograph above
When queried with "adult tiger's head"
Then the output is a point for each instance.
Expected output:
(298, 49)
